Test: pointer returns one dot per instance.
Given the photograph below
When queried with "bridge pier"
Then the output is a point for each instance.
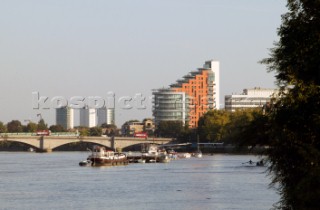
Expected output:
(42, 147)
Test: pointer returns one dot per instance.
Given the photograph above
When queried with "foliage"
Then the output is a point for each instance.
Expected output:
(42, 125)
(229, 127)
(132, 121)
(3, 128)
(57, 128)
(14, 126)
(295, 153)
(31, 127)
(294, 120)
(95, 131)
(169, 129)
(212, 126)
(109, 126)
(83, 131)
(254, 132)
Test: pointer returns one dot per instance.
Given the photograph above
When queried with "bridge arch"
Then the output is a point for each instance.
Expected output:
(11, 145)
(78, 146)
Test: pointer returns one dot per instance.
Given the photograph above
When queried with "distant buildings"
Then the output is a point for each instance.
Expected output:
(111, 120)
(250, 98)
(131, 127)
(65, 118)
(189, 98)
(105, 116)
(88, 117)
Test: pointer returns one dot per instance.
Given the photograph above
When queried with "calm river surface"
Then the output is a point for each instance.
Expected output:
(55, 181)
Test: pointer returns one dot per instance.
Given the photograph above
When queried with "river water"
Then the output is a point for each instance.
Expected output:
(56, 181)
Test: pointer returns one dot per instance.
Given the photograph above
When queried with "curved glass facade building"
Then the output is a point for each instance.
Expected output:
(170, 106)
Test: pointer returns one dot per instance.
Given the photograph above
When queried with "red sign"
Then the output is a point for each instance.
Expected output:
(141, 135)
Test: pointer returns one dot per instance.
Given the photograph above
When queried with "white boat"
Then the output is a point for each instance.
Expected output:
(184, 155)
(85, 163)
(198, 154)
(141, 161)
(164, 158)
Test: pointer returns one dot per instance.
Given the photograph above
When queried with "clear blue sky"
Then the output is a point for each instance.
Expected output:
(89, 47)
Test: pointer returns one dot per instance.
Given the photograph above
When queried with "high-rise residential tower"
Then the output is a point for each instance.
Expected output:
(101, 116)
(64, 117)
(111, 116)
(201, 88)
(105, 115)
(88, 117)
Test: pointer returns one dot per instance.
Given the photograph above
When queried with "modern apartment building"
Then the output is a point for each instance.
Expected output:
(88, 117)
(199, 91)
(169, 105)
(111, 120)
(64, 117)
(250, 98)
(105, 115)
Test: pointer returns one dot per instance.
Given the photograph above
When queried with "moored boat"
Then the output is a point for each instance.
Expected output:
(184, 155)
(85, 163)
(197, 154)
(102, 157)
(164, 158)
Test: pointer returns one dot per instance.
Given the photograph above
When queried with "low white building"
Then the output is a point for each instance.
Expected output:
(250, 98)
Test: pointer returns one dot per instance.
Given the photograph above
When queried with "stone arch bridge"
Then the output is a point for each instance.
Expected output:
(48, 143)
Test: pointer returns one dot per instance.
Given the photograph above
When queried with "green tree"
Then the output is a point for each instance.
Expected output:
(83, 131)
(294, 120)
(3, 128)
(42, 125)
(31, 127)
(212, 126)
(14, 126)
(171, 129)
(57, 128)
(95, 131)
(240, 121)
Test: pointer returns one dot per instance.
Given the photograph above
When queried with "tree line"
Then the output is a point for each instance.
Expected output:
(213, 126)
(15, 126)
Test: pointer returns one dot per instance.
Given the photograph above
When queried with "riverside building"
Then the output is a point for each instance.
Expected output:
(170, 105)
(189, 98)
(250, 98)
(64, 117)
